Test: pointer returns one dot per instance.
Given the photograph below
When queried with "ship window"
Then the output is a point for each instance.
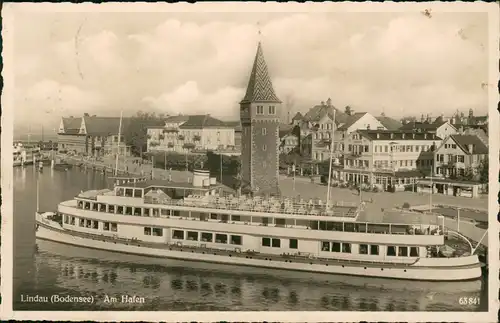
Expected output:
(94, 206)
(155, 212)
(105, 226)
(363, 249)
(128, 210)
(213, 216)
(373, 249)
(235, 218)
(95, 225)
(279, 222)
(102, 207)
(266, 242)
(336, 246)
(66, 219)
(157, 232)
(114, 227)
(220, 238)
(88, 224)
(346, 247)
(403, 251)
(413, 252)
(276, 243)
(265, 220)
(137, 211)
(237, 240)
(349, 227)
(165, 212)
(207, 237)
(146, 212)
(111, 209)
(147, 231)
(73, 220)
(192, 235)
(293, 244)
(178, 234)
(138, 193)
(325, 246)
(176, 213)
(120, 210)
(391, 250)
(224, 218)
(80, 204)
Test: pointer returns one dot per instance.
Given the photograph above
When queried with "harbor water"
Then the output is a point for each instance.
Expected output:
(46, 268)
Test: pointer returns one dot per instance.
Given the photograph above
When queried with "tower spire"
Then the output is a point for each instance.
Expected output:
(260, 88)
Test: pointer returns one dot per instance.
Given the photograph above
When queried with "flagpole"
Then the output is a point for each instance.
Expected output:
(118, 146)
(331, 161)
(293, 170)
(37, 193)
(221, 168)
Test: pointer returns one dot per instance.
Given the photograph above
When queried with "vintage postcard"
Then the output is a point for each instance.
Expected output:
(250, 161)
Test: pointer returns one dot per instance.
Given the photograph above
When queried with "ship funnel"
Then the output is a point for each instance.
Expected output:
(199, 177)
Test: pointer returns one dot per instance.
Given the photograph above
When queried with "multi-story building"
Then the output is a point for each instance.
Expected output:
(386, 157)
(460, 156)
(260, 112)
(442, 128)
(288, 142)
(92, 135)
(186, 133)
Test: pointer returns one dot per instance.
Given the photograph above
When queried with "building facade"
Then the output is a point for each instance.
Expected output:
(260, 112)
(288, 143)
(442, 128)
(183, 134)
(92, 135)
(387, 158)
(460, 156)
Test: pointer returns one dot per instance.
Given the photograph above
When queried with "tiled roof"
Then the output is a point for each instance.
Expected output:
(104, 126)
(72, 125)
(176, 119)
(298, 116)
(234, 124)
(317, 112)
(203, 121)
(423, 126)
(260, 87)
(463, 141)
(351, 120)
(397, 135)
(389, 123)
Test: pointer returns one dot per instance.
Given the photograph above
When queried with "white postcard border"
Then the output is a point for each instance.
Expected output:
(8, 14)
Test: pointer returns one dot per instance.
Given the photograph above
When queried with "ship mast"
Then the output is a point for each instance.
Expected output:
(331, 160)
(37, 192)
(118, 146)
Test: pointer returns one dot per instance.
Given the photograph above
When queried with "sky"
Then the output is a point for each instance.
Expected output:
(67, 64)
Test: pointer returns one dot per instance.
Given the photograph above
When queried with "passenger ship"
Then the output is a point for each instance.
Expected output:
(198, 221)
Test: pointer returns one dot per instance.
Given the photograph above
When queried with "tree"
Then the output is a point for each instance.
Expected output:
(348, 110)
(135, 130)
(483, 170)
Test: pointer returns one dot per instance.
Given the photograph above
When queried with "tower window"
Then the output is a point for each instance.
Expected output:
(264, 131)
(272, 109)
(264, 147)
(260, 109)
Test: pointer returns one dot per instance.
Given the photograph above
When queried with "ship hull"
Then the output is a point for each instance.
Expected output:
(46, 230)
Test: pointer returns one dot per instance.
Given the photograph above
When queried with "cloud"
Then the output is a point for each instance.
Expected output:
(46, 100)
(198, 63)
(188, 99)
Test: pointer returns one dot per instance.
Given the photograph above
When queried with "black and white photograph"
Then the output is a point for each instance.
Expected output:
(271, 161)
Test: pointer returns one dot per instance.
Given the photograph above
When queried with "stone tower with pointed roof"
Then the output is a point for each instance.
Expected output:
(260, 112)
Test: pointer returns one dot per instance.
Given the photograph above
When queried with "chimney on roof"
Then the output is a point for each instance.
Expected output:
(322, 103)
(329, 102)
(422, 119)
(428, 118)
(470, 147)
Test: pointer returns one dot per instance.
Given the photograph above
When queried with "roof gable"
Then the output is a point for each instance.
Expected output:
(352, 119)
(298, 116)
(203, 121)
(472, 141)
(70, 126)
(260, 88)
(389, 123)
